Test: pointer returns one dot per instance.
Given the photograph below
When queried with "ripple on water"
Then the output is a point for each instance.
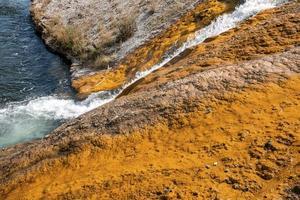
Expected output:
(7, 10)
(27, 71)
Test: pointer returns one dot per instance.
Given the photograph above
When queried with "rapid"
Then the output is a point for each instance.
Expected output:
(39, 113)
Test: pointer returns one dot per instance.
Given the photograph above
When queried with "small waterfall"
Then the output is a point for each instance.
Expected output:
(26, 120)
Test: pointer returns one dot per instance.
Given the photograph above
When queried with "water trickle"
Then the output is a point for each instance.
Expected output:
(22, 120)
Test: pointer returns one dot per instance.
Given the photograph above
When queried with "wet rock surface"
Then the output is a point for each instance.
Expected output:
(272, 31)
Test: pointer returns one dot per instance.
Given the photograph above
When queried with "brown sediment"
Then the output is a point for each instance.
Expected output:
(153, 51)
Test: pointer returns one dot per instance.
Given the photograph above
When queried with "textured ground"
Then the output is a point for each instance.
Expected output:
(132, 36)
(84, 31)
(226, 126)
(155, 50)
(207, 137)
(272, 31)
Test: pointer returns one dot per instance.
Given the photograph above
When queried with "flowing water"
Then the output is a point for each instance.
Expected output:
(34, 90)
(27, 71)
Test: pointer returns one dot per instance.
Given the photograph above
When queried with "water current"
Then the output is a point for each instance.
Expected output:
(35, 92)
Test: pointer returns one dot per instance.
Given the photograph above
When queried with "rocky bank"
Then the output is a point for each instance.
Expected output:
(220, 121)
(108, 48)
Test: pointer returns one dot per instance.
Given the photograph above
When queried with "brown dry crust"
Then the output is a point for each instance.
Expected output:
(230, 132)
(269, 32)
(97, 33)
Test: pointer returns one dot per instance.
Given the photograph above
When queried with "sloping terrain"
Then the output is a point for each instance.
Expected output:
(272, 31)
(155, 50)
(221, 121)
(136, 34)
(191, 141)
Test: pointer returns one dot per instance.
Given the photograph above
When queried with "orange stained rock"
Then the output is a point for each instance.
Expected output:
(153, 51)
(272, 31)
(244, 146)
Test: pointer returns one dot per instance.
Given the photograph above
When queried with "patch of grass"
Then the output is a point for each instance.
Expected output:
(126, 28)
(72, 39)
(152, 6)
(100, 54)
(103, 61)
(68, 38)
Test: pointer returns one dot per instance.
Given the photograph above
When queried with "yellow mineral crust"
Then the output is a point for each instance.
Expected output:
(272, 31)
(244, 146)
(221, 121)
(153, 51)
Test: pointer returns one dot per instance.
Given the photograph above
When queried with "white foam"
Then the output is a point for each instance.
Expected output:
(222, 24)
(43, 109)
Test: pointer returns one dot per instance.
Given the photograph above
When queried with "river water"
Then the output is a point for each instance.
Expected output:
(35, 92)
(27, 71)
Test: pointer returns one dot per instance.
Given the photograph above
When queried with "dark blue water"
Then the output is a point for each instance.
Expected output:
(27, 71)
(27, 68)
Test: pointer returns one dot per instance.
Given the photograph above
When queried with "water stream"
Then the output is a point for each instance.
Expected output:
(27, 71)
(39, 107)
